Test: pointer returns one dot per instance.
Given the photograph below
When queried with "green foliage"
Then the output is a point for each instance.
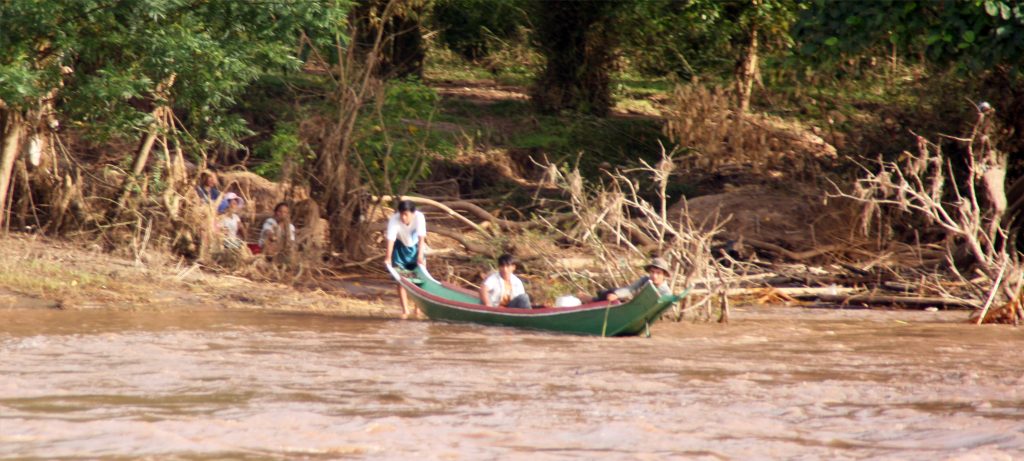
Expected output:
(972, 35)
(116, 56)
(597, 143)
(393, 140)
(472, 27)
(284, 149)
(667, 37)
(700, 37)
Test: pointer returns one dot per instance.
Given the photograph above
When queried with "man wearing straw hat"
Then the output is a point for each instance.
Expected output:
(657, 273)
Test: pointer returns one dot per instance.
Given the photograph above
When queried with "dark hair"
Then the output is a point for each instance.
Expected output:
(279, 205)
(406, 205)
(506, 260)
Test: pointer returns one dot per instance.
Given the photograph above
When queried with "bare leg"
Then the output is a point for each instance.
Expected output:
(404, 297)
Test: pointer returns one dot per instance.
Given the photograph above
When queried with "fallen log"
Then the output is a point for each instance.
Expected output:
(446, 209)
(906, 301)
(795, 292)
(467, 244)
(788, 254)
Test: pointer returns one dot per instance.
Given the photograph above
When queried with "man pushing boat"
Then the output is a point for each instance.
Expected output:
(406, 241)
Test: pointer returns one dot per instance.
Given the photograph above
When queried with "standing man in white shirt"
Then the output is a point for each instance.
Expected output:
(406, 240)
(502, 288)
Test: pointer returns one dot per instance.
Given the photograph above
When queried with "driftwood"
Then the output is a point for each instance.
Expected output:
(473, 209)
(788, 254)
(907, 301)
(794, 292)
(467, 244)
(450, 207)
(448, 210)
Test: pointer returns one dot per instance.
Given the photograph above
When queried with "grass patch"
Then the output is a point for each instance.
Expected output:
(599, 142)
(48, 279)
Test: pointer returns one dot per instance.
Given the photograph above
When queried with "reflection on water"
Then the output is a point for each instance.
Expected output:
(777, 383)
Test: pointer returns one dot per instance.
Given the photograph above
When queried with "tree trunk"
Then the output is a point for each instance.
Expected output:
(142, 156)
(577, 40)
(746, 72)
(13, 124)
(403, 50)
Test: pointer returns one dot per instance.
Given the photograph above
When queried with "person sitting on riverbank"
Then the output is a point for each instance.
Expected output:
(502, 288)
(230, 224)
(208, 191)
(406, 244)
(277, 232)
(657, 273)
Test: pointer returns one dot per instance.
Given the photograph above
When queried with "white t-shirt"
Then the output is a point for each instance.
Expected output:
(408, 235)
(271, 227)
(496, 287)
(229, 223)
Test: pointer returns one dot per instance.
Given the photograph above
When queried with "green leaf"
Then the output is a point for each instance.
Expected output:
(969, 36)
(832, 41)
(991, 8)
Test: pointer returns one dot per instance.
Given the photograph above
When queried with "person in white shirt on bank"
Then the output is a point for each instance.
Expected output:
(272, 235)
(406, 240)
(230, 224)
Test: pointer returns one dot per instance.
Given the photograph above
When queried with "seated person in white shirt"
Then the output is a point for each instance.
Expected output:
(502, 288)
(272, 235)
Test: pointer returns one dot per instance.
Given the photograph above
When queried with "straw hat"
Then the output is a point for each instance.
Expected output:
(660, 263)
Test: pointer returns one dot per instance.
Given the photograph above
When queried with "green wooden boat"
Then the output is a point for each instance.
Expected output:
(440, 301)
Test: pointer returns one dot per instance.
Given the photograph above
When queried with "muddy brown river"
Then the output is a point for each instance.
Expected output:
(777, 383)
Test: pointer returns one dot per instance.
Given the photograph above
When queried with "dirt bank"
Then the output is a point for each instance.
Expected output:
(36, 272)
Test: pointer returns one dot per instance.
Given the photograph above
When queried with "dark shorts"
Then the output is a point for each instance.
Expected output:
(520, 302)
(403, 257)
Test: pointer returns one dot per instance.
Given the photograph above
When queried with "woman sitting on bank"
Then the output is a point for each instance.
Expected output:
(230, 224)
(502, 288)
(657, 273)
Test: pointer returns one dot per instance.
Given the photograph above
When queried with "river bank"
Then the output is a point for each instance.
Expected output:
(38, 272)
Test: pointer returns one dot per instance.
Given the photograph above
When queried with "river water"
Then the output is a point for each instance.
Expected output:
(777, 383)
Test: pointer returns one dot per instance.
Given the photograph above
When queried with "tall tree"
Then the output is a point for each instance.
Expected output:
(702, 38)
(399, 22)
(577, 41)
(757, 23)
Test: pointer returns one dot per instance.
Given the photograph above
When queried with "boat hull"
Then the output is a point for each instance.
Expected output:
(440, 302)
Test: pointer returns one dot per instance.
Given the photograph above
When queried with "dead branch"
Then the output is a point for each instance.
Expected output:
(886, 300)
(970, 216)
(467, 244)
(448, 210)
(617, 226)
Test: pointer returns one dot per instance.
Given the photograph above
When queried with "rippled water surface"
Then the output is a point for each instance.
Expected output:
(775, 384)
